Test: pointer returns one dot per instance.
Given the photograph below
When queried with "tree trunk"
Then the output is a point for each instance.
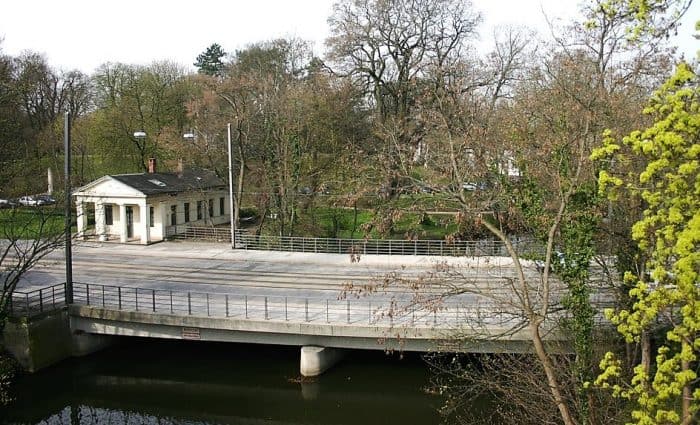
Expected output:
(646, 352)
(239, 187)
(535, 321)
(548, 367)
(686, 412)
(354, 219)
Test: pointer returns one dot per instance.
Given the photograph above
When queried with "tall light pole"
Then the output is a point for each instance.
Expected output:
(68, 201)
(230, 189)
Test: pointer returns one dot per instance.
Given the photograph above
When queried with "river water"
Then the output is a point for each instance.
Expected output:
(174, 382)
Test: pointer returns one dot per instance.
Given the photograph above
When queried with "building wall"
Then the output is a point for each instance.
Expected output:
(163, 215)
(157, 226)
(161, 219)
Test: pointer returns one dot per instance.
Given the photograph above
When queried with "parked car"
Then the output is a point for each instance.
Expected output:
(472, 186)
(30, 201)
(7, 203)
(47, 199)
(36, 200)
(426, 189)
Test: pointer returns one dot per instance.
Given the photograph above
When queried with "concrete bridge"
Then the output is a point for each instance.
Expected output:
(208, 292)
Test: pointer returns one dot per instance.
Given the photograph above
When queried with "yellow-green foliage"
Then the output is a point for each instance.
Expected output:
(640, 14)
(669, 234)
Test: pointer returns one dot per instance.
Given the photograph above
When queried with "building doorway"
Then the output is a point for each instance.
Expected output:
(129, 222)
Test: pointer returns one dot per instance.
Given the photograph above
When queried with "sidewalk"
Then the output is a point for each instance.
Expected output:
(221, 251)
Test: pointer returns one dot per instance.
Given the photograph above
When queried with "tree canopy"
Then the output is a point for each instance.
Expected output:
(665, 294)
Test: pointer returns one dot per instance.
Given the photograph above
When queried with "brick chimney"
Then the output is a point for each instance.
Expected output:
(151, 165)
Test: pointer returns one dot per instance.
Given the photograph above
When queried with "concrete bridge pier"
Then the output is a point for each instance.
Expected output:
(41, 341)
(316, 360)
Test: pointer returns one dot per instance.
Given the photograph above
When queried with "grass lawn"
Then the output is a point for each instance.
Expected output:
(31, 222)
(427, 202)
(346, 223)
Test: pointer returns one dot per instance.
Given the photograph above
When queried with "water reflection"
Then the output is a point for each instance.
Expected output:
(168, 382)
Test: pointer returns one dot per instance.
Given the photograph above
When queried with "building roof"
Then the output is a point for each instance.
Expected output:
(164, 183)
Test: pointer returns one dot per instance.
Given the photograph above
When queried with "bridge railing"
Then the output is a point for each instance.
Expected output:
(363, 311)
(371, 246)
(485, 247)
(36, 302)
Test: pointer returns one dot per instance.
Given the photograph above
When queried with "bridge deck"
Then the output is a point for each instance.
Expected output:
(179, 290)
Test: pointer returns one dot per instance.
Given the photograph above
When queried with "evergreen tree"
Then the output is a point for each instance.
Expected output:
(209, 62)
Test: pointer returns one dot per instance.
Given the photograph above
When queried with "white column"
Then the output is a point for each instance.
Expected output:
(122, 223)
(208, 213)
(144, 224)
(100, 221)
(163, 209)
(81, 219)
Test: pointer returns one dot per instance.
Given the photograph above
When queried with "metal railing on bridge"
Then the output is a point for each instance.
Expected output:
(36, 302)
(449, 314)
(364, 311)
(485, 247)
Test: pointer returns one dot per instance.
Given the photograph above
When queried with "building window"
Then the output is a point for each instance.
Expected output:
(222, 210)
(187, 212)
(151, 216)
(173, 215)
(210, 212)
(109, 215)
(199, 210)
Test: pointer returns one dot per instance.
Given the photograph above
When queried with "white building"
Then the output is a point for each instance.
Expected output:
(149, 207)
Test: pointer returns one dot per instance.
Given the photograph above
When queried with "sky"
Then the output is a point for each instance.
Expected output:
(84, 34)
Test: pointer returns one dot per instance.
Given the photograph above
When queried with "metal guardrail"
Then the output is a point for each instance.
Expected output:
(37, 302)
(374, 246)
(286, 308)
(354, 246)
(362, 311)
(184, 231)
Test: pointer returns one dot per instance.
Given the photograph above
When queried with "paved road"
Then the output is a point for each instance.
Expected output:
(205, 279)
(238, 279)
(207, 267)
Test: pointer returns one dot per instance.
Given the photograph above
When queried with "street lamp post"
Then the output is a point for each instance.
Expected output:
(69, 219)
(230, 188)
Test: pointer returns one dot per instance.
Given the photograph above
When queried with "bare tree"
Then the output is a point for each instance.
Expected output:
(26, 236)
(396, 51)
(542, 120)
(509, 388)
